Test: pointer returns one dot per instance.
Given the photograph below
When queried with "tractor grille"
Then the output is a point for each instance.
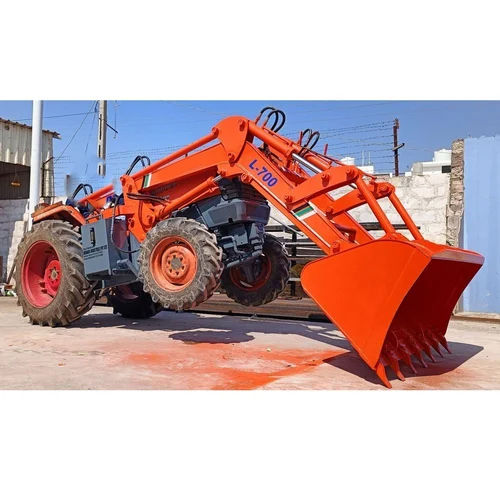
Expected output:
(231, 189)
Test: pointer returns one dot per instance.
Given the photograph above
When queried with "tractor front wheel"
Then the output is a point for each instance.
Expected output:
(262, 280)
(50, 280)
(180, 263)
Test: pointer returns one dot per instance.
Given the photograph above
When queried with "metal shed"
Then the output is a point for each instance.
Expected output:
(15, 157)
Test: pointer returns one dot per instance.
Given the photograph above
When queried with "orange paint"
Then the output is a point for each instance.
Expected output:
(230, 367)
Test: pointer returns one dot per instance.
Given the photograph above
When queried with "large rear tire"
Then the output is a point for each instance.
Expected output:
(180, 263)
(131, 301)
(270, 276)
(50, 278)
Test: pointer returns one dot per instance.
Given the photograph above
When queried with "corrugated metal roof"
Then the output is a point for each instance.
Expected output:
(19, 124)
(15, 143)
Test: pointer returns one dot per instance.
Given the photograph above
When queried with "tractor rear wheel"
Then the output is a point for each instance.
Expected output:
(269, 275)
(131, 301)
(50, 280)
(180, 263)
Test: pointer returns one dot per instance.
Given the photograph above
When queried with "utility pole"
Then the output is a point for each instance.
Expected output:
(101, 137)
(36, 158)
(396, 147)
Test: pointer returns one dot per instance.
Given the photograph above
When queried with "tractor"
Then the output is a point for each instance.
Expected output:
(180, 227)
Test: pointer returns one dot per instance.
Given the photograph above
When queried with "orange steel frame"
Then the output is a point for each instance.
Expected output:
(278, 171)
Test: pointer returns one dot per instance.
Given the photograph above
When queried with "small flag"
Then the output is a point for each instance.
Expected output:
(146, 181)
(304, 212)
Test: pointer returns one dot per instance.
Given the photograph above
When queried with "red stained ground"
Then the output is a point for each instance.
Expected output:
(227, 367)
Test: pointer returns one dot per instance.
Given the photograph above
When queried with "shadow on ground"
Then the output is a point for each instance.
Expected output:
(350, 362)
(215, 329)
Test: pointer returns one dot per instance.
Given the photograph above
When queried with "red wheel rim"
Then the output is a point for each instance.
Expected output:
(239, 279)
(173, 263)
(41, 274)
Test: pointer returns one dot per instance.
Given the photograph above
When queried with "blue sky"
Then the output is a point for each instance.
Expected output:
(349, 127)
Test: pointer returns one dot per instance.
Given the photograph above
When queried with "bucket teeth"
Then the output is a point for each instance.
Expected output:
(419, 356)
(405, 354)
(415, 348)
(397, 371)
(434, 343)
(380, 371)
(425, 346)
(391, 355)
(390, 359)
(406, 359)
(401, 345)
(427, 351)
(443, 342)
(436, 348)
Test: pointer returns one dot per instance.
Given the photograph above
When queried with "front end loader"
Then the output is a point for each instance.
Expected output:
(195, 219)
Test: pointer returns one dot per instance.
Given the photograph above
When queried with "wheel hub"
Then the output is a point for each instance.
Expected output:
(173, 263)
(41, 274)
(260, 274)
(52, 277)
(176, 263)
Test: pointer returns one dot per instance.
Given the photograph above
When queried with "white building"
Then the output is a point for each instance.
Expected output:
(441, 163)
(349, 160)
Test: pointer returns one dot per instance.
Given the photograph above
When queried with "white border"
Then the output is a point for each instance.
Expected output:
(260, 445)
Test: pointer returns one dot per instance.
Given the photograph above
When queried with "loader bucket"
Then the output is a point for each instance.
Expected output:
(392, 299)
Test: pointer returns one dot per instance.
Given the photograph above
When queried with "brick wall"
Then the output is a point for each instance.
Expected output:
(455, 210)
(425, 197)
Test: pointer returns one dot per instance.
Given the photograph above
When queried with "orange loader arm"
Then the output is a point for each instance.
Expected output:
(269, 171)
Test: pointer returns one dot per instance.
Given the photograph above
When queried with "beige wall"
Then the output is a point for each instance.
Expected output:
(424, 196)
(13, 218)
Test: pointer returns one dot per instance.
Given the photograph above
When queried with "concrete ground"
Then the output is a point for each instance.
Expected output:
(201, 351)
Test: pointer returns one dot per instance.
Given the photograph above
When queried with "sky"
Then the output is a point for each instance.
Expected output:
(155, 128)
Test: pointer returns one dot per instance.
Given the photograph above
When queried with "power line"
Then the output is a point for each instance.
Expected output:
(385, 123)
(342, 108)
(88, 140)
(152, 121)
(76, 131)
(144, 151)
(53, 116)
(359, 129)
(353, 127)
(363, 144)
(365, 151)
(363, 139)
(363, 125)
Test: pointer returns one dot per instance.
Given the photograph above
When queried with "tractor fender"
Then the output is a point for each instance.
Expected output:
(58, 211)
